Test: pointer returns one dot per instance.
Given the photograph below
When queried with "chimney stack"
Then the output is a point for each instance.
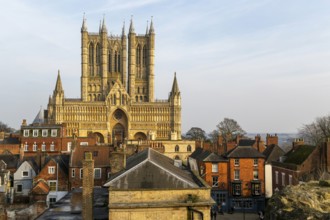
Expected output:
(88, 186)
(271, 139)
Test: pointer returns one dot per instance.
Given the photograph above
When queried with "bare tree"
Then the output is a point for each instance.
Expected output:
(229, 129)
(316, 132)
(4, 127)
(213, 136)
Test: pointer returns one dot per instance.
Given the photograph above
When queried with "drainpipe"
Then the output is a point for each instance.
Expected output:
(195, 210)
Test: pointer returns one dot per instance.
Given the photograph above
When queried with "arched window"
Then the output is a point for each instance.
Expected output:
(98, 55)
(177, 148)
(138, 55)
(188, 148)
(136, 98)
(116, 67)
(91, 59)
(144, 56)
(110, 61)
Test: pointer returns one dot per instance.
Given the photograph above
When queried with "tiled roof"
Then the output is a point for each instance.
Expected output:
(100, 155)
(150, 169)
(41, 188)
(244, 152)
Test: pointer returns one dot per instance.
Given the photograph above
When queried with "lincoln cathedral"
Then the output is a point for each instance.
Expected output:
(117, 91)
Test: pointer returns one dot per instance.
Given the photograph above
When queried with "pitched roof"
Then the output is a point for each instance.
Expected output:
(206, 156)
(31, 161)
(246, 142)
(150, 169)
(100, 155)
(11, 160)
(299, 155)
(244, 152)
(273, 152)
(41, 188)
(62, 161)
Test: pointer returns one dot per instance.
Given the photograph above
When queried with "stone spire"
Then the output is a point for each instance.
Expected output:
(152, 30)
(84, 26)
(104, 28)
(131, 27)
(58, 86)
(123, 30)
(147, 30)
(175, 88)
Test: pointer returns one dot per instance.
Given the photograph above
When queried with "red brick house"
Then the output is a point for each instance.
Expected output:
(302, 163)
(102, 168)
(246, 178)
(55, 173)
(214, 170)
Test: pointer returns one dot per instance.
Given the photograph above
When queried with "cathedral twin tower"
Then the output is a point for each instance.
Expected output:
(117, 91)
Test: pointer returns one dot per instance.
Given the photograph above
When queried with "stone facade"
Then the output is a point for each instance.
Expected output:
(117, 91)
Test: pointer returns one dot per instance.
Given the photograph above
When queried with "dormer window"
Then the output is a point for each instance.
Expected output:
(44, 132)
(54, 133)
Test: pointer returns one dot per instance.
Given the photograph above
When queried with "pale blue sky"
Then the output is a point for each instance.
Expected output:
(264, 63)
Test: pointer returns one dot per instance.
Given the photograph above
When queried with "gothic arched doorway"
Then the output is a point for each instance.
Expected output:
(119, 130)
(140, 136)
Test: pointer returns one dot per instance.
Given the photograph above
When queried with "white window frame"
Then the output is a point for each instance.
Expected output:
(255, 162)
(54, 132)
(51, 170)
(236, 162)
(28, 174)
(44, 132)
(81, 172)
(290, 179)
(276, 177)
(236, 174)
(35, 133)
(52, 146)
(26, 146)
(257, 172)
(43, 146)
(69, 146)
(21, 188)
(215, 168)
(35, 146)
(84, 143)
(73, 172)
(26, 133)
(52, 181)
(283, 179)
(100, 176)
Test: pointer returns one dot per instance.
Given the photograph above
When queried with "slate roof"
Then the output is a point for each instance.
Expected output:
(244, 152)
(62, 160)
(32, 162)
(206, 156)
(246, 142)
(101, 160)
(150, 169)
(12, 161)
(273, 153)
(10, 140)
(70, 206)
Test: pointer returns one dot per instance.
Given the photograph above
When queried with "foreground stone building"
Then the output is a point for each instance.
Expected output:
(117, 91)
(152, 187)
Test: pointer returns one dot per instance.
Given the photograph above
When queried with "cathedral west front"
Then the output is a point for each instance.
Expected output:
(117, 91)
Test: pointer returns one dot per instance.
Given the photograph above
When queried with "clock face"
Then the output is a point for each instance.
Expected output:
(118, 115)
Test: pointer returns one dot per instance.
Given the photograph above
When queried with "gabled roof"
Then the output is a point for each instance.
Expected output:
(299, 155)
(11, 160)
(100, 155)
(61, 160)
(150, 169)
(273, 153)
(31, 161)
(206, 156)
(244, 152)
(41, 188)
